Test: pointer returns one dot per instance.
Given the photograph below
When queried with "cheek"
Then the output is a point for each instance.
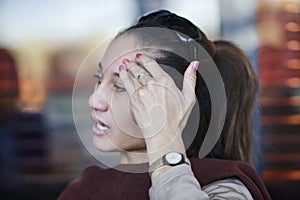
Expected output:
(123, 116)
(121, 107)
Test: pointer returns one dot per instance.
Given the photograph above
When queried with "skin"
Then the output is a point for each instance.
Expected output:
(121, 137)
(151, 114)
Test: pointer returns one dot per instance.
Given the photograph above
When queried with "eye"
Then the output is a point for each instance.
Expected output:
(119, 88)
(99, 79)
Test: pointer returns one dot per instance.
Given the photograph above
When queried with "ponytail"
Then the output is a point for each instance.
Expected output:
(241, 83)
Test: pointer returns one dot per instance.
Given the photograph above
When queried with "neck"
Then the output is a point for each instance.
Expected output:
(133, 157)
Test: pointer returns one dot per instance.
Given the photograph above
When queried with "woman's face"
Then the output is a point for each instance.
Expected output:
(114, 126)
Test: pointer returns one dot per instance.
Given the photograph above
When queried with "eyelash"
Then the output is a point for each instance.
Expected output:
(118, 88)
(98, 79)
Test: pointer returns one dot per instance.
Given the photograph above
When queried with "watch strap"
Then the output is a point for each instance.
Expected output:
(156, 164)
(160, 163)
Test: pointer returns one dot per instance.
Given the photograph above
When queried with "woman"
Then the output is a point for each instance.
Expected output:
(132, 78)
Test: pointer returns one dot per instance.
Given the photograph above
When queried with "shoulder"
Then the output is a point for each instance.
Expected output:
(230, 188)
(208, 170)
(88, 184)
(211, 170)
(215, 161)
(92, 173)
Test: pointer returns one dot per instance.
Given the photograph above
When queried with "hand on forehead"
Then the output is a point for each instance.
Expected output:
(120, 48)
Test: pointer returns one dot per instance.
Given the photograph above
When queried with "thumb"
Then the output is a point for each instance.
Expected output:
(189, 81)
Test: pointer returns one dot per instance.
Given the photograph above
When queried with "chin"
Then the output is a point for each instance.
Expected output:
(103, 145)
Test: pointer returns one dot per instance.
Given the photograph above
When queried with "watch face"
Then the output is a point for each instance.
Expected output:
(173, 158)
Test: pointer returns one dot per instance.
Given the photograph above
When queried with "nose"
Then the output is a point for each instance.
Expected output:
(98, 100)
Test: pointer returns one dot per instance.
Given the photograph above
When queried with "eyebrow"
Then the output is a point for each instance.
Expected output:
(117, 75)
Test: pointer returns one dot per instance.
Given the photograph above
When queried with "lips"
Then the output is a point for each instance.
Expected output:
(100, 128)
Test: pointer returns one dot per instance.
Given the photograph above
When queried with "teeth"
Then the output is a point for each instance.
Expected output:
(102, 128)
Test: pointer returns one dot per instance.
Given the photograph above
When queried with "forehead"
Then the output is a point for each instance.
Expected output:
(122, 47)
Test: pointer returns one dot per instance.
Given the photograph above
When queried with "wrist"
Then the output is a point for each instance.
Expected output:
(163, 136)
(159, 171)
(166, 162)
(165, 140)
(157, 149)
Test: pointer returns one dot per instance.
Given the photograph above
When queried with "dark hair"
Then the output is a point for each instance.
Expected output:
(241, 85)
(239, 78)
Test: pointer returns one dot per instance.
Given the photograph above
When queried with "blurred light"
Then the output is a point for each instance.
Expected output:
(197, 11)
(292, 8)
(62, 21)
(279, 175)
(32, 95)
(280, 101)
(293, 64)
(282, 119)
(293, 45)
(295, 100)
(293, 119)
(293, 82)
(292, 26)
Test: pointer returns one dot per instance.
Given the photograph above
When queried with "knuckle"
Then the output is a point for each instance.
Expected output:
(131, 66)
(151, 62)
(151, 81)
(134, 98)
(142, 93)
(124, 78)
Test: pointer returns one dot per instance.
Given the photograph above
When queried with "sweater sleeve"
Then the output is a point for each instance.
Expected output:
(230, 188)
(179, 183)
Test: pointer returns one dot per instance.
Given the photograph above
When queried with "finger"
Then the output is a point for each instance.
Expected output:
(138, 72)
(187, 114)
(150, 65)
(189, 82)
(144, 77)
(127, 80)
(188, 91)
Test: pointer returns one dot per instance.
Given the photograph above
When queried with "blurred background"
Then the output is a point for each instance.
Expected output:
(43, 43)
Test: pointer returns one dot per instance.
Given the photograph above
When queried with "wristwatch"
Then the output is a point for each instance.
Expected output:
(170, 159)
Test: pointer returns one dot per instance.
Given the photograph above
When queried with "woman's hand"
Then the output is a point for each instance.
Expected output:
(161, 110)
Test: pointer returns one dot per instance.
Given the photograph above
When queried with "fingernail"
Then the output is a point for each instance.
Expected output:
(138, 55)
(121, 68)
(125, 61)
(195, 66)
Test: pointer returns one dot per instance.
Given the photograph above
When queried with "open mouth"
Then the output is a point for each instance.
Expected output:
(99, 128)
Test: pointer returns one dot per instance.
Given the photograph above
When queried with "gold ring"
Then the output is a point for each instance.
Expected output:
(141, 75)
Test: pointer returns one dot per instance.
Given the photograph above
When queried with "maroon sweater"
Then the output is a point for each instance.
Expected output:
(97, 183)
